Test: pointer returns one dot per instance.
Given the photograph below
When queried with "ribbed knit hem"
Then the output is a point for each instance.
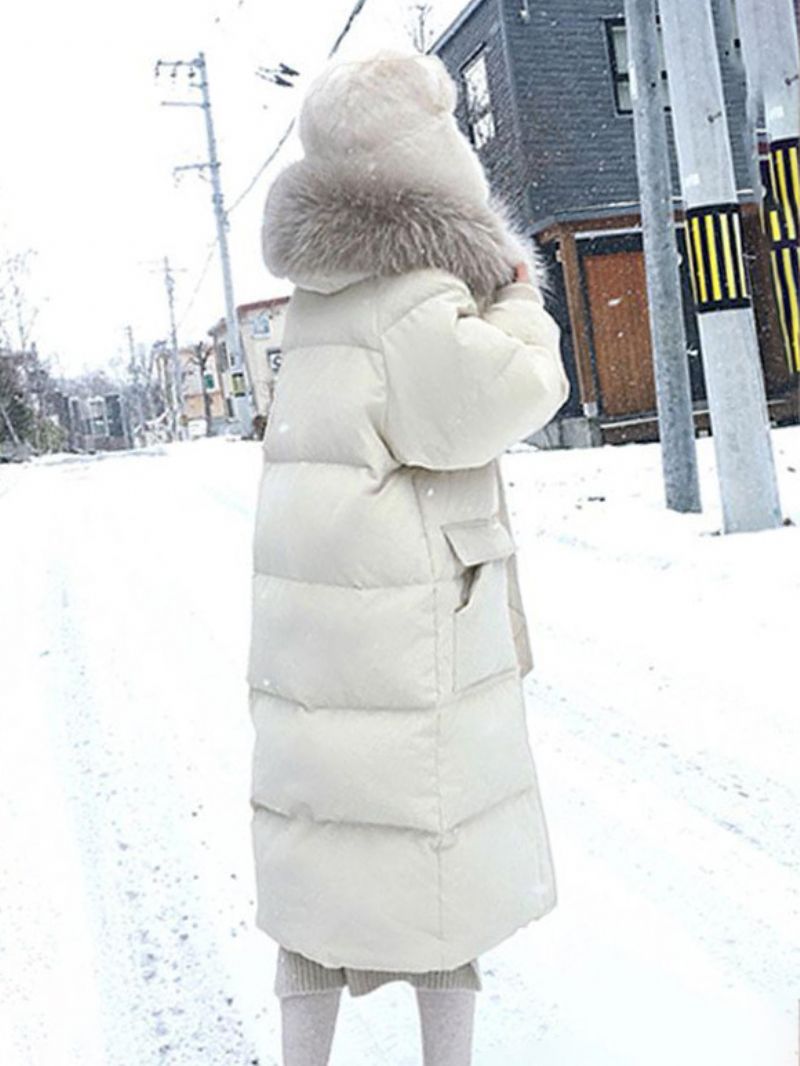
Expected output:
(296, 975)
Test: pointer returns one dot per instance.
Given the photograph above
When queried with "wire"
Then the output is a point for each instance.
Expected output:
(347, 26)
(272, 155)
(351, 18)
(190, 304)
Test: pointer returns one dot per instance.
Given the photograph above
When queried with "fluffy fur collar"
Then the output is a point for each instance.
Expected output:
(323, 229)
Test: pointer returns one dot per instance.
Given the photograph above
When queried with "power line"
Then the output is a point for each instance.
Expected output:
(351, 18)
(203, 271)
(273, 154)
(348, 25)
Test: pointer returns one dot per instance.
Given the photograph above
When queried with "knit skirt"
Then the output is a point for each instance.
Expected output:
(295, 974)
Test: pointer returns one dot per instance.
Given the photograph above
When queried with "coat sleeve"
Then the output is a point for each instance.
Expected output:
(462, 387)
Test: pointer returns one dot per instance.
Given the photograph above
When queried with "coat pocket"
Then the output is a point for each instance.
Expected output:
(483, 639)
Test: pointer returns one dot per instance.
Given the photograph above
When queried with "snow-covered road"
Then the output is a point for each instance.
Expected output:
(663, 716)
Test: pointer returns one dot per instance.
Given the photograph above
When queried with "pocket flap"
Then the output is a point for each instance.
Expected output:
(479, 539)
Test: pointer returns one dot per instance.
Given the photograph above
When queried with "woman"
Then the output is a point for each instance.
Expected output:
(397, 826)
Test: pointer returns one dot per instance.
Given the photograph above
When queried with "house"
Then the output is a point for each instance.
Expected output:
(261, 331)
(261, 325)
(95, 421)
(545, 99)
(229, 382)
(202, 390)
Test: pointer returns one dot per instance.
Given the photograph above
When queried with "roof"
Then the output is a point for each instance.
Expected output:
(262, 305)
(455, 25)
(221, 325)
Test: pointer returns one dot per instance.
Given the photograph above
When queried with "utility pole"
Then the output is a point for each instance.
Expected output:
(177, 382)
(734, 378)
(769, 41)
(139, 390)
(667, 331)
(768, 34)
(198, 77)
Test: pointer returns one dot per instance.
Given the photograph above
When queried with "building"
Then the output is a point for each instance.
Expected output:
(261, 324)
(224, 374)
(97, 422)
(545, 100)
(204, 410)
(261, 330)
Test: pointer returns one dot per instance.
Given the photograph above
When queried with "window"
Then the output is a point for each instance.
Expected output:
(737, 37)
(479, 102)
(618, 49)
(97, 416)
(238, 383)
(114, 415)
(261, 324)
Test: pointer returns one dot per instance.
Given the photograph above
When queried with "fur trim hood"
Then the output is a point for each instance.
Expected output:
(324, 229)
(389, 184)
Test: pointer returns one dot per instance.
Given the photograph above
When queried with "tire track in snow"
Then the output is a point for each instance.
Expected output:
(661, 820)
(164, 983)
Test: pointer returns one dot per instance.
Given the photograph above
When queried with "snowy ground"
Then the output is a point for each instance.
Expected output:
(663, 716)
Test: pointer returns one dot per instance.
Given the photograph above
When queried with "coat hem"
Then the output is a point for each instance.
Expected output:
(440, 962)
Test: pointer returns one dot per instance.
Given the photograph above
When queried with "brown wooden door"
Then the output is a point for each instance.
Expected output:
(617, 291)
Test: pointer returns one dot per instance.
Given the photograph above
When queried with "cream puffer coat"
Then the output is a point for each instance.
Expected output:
(397, 820)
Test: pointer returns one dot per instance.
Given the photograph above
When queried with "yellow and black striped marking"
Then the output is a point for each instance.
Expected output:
(716, 257)
(780, 220)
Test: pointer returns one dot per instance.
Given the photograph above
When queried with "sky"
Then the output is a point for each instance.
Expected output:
(88, 151)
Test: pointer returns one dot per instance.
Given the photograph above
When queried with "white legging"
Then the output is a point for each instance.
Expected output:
(446, 1020)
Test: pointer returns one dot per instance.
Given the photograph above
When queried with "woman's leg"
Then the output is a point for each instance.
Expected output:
(308, 1021)
(447, 1019)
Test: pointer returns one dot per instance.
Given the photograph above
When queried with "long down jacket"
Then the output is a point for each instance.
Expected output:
(397, 820)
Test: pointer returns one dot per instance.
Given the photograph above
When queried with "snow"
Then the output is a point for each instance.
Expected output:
(663, 718)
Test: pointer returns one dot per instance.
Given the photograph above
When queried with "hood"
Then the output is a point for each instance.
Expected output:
(326, 227)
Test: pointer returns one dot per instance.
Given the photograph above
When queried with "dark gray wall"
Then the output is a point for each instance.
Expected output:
(502, 157)
(562, 149)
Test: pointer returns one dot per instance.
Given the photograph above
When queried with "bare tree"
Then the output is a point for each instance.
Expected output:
(201, 353)
(29, 399)
(17, 313)
(419, 26)
(22, 371)
(16, 416)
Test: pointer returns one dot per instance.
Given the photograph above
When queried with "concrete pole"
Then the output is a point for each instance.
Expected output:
(769, 38)
(768, 33)
(234, 340)
(734, 378)
(175, 375)
(668, 335)
(136, 374)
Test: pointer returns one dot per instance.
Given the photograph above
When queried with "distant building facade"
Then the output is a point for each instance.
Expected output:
(261, 331)
(93, 423)
(261, 325)
(202, 390)
(545, 99)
